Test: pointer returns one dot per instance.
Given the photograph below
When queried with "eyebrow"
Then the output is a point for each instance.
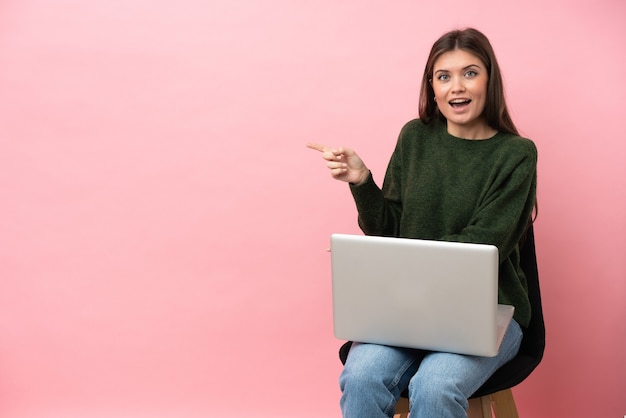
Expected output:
(464, 68)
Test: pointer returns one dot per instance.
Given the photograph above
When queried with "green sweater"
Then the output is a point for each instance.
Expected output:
(441, 187)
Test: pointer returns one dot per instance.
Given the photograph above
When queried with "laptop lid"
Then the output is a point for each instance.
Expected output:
(433, 295)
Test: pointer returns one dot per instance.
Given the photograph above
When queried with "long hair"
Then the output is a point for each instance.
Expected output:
(470, 40)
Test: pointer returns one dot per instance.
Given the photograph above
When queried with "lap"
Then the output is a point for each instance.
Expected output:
(466, 372)
(396, 366)
(392, 366)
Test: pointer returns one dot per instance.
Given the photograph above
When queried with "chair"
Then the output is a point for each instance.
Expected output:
(496, 392)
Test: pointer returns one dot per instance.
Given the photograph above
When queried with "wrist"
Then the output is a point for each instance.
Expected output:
(364, 177)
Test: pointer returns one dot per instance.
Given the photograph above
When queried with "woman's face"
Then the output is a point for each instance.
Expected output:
(460, 85)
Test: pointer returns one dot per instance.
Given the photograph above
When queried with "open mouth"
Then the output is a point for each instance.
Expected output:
(459, 102)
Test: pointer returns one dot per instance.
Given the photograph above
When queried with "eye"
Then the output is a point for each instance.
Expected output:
(443, 77)
(470, 73)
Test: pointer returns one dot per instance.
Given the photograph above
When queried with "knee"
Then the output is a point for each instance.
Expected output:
(370, 366)
(437, 393)
(365, 393)
(359, 376)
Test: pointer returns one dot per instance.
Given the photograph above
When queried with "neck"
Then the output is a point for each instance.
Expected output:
(476, 132)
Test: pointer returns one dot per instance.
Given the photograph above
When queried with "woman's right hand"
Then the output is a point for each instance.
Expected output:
(344, 163)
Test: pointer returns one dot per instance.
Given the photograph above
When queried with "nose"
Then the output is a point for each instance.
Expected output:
(458, 84)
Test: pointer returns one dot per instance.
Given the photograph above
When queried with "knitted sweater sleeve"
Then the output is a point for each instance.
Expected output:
(503, 214)
(379, 211)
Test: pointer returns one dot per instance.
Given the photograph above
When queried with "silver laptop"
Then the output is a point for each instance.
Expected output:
(432, 295)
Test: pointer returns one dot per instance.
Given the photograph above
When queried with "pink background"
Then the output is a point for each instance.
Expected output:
(163, 227)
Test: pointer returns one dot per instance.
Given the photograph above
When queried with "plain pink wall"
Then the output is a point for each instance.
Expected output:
(163, 228)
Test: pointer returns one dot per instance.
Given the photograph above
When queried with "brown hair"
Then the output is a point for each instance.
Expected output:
(471, 40)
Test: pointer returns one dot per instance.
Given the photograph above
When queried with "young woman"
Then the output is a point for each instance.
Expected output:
(459, 173)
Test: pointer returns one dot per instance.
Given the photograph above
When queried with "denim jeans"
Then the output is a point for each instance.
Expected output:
(439, 384)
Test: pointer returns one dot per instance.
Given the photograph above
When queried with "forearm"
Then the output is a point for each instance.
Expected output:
(377, 215)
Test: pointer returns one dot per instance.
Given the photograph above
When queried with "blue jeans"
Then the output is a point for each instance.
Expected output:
(439, 384)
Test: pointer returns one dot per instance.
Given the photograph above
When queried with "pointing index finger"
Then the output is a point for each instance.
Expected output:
(317, 147)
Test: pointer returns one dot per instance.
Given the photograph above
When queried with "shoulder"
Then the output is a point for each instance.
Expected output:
(515, 153)
(417, 126)
(519, 145)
